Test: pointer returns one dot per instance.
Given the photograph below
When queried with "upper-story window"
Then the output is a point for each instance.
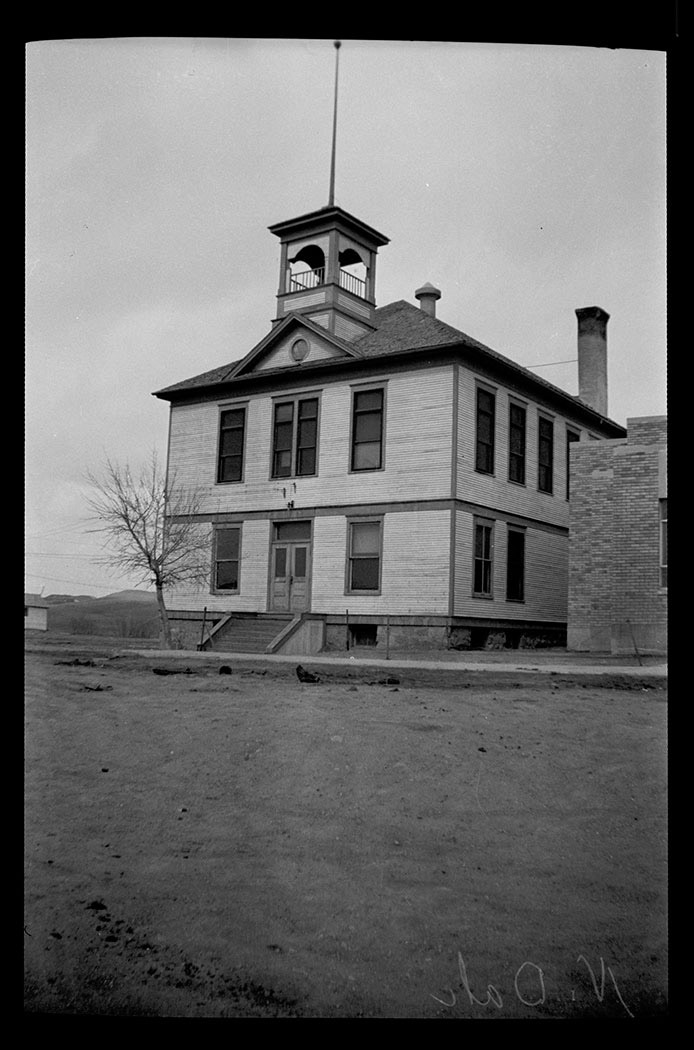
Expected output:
(571, 436)
(516, 443)
(545, 455)
(367, 429)
(295, 438)
(484, 454)
(232, 426)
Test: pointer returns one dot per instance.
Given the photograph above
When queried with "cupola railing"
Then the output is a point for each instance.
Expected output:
(300, 282)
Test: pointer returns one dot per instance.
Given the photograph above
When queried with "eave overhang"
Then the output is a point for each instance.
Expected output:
(481, 359)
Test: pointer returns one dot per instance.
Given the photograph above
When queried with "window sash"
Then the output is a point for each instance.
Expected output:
(227, 558)
(484, 455)
(516, 452)
(364, 569)
(295, 438)
(367, 430)
(482, 562)
(545, 455)
(232, 426)
(515, 566)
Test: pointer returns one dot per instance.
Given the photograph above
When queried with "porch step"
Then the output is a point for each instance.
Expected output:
(247, 634)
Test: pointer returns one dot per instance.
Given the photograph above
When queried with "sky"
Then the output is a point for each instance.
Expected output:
(523, 181)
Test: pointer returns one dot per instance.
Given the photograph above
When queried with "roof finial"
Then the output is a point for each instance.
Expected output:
(331, 200)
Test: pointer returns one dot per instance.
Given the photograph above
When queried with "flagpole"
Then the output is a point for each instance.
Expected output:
(331, 200)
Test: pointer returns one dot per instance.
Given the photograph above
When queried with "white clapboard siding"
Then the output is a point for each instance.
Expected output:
(417, 449)
(496, 490)
(346, 328)
(253, 579)
(414, 572)
(546, 574)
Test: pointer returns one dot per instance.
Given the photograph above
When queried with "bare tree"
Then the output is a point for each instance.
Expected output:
(151, 527)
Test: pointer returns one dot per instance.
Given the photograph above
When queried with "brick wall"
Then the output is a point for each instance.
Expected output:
(615, 597)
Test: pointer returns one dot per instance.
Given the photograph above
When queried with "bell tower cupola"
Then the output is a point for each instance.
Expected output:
(328, 262)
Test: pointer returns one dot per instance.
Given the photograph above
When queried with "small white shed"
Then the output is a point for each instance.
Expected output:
(35, 613)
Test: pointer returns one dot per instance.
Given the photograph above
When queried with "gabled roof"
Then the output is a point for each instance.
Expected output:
(35, 601)
(401, 329)
(237, 368)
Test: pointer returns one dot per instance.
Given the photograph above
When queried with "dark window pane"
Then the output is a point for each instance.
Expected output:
(227, 544)
(283, 436)
(282, 465)
(232, 441)
(365, 574)
(300, 562)
(284, 413)
(231, 468)
(368, 400)
(367, 427)
(234, 417)
(228, 575)
(293, 530)
(306, 461)
(515, 567)
(280, 562)
(308, 409)
(307, 433)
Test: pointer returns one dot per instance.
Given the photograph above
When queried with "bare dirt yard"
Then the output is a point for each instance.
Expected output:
(459, 844)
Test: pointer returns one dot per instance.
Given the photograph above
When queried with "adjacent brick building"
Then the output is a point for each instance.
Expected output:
(618, 541)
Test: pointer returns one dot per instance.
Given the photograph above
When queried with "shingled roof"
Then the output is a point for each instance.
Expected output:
(400, 328)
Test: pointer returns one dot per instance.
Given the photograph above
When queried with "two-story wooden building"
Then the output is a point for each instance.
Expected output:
(365, 466)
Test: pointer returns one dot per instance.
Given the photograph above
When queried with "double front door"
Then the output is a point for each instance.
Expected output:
(290, 566)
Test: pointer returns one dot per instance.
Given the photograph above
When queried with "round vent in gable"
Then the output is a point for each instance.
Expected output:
(299, 349)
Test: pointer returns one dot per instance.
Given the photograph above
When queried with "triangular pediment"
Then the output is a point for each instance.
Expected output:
(293, 343)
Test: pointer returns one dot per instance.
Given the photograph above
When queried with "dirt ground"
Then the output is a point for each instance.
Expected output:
(469, 845)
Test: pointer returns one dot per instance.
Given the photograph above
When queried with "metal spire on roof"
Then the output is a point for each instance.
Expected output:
(331, 199)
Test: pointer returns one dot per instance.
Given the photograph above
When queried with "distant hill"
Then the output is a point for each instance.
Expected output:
(67, 599)
(126, 614)
(129, 596)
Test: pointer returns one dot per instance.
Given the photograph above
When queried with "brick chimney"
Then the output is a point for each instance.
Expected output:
(592, 357)
(427, 296)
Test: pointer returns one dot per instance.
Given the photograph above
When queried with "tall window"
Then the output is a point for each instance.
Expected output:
(516, 450)
(367, 430)
(484, 455)
(232, 424)
(482, 560)
(515, 565)
(295, 438)
(364, 557)
(227, 550)
(663, 543)
(571, 436)
(545, 455)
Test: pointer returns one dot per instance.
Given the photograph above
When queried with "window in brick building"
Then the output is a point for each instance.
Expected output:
(663, 543)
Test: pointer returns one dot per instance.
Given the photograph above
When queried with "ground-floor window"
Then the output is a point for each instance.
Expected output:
(483, 558)
(364, 541)
(515, 564)
(227, 555)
